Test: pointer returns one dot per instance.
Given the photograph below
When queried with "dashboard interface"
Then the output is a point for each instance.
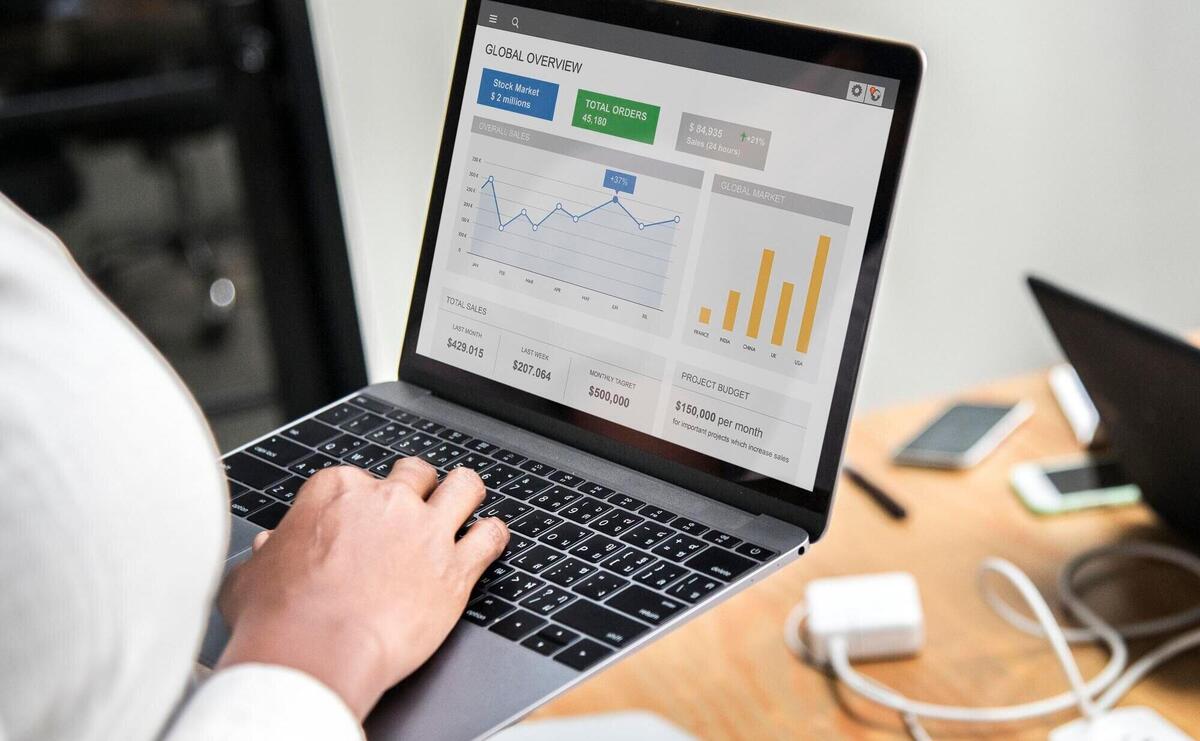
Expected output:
(661, 233)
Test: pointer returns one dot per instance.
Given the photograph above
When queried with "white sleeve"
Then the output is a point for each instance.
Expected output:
(258, 701)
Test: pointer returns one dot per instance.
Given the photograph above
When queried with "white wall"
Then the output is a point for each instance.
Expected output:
(1061, 137)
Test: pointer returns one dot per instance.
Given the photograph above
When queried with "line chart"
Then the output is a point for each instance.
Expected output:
(490, 184)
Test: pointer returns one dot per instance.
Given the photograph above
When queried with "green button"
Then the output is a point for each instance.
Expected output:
(615, 116)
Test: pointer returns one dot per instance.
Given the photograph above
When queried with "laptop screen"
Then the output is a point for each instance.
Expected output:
(658, 234)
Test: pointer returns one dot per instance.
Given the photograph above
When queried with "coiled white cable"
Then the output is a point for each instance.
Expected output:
(1086, 695)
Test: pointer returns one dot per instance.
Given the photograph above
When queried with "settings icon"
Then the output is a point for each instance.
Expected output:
(856, 90)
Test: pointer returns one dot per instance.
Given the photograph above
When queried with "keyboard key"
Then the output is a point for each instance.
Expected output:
(372, 404)
(516, 586)
(251, 471)
(537, 558)
(690, 527)
(249, 503)
(236, 489)
(388, 434)
(645, 605)
(554, 499)
(624, 501)
(628, 562)
(507, 510)
(541, 645)
(694, 588)
(565, 535)
(480, 446)
(600, 623)
(269, 516)
(595, 490)
(646, 535)
(757, 552)
(415, 444)
(615, 522)
(442, 454)
(558, 634)
(721, 564)
(518, 625)
(516, 544)
(383, 469)
(657, 513)
(368, 456)
(487, 609)
(583, 655)
(566, 479)
(341, 445)
(340, 414)
(279, 450)
(596, 548)
(600, 585)
(499, 475)
(454, 436)
(310, 465)
(568, 572)
(536, 468)
(678, 547)
(525, 486)
(286, 490)
(584, 510)
(310, 432)
(720, 538)
(547, 599)
(364, 424)
(402, 416)
(661, 574)
(429, 427)
(495, 573)
(535, 523)
(508, 456)
(474, 461)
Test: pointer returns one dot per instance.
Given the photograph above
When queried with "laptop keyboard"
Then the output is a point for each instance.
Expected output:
(588, 569)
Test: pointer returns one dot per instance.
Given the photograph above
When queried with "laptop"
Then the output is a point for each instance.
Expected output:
(1146, 386)
(653, 243)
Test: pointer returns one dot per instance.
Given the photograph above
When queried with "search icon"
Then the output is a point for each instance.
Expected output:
(516, 23)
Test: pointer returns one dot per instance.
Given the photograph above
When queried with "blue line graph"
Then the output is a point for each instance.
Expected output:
(490, 184)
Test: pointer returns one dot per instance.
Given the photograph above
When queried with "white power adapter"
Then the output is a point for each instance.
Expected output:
(1121, 724)
(878, 616)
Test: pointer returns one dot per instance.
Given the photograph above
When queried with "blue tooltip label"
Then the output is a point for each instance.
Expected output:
(619, 181)
(518, 94)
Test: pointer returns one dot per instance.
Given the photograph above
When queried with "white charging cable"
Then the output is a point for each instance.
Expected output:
(1114, 681)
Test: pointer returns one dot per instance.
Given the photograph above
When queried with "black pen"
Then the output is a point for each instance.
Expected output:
(882, 498)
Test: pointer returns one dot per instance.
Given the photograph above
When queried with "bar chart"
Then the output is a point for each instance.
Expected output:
(766, 272)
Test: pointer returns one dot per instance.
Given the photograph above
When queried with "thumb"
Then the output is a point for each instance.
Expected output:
(483, 543)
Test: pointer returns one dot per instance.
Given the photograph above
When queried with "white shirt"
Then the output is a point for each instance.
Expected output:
(113, 525)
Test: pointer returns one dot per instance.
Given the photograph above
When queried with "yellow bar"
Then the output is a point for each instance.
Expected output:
(760, 293)
(705, 314)
(731, 310)
(814, 293)
(781, 314)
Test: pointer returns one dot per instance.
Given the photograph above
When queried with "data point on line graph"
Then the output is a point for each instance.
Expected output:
(574, 218)
(641, 226)
(535, 227)
(523, 212)
(558, 207)
(676, 219)
(615, 199)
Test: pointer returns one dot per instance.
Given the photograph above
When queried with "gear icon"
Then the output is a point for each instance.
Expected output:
(856, 90)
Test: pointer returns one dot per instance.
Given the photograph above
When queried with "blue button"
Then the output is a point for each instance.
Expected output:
(619, 181)
(518, 94)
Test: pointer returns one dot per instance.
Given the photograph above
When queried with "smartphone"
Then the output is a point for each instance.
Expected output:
(963, 435)
(1073, 484)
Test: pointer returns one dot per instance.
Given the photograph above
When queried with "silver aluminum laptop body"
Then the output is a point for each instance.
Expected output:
(480, 681)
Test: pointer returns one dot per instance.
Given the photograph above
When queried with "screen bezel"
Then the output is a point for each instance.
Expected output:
(637, 450)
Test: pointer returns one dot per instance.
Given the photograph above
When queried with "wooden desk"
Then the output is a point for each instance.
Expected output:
(727, 674)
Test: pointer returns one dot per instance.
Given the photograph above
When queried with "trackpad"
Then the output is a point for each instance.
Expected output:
(241, 538)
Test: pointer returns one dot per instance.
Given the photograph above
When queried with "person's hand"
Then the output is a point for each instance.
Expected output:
(363, 579)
